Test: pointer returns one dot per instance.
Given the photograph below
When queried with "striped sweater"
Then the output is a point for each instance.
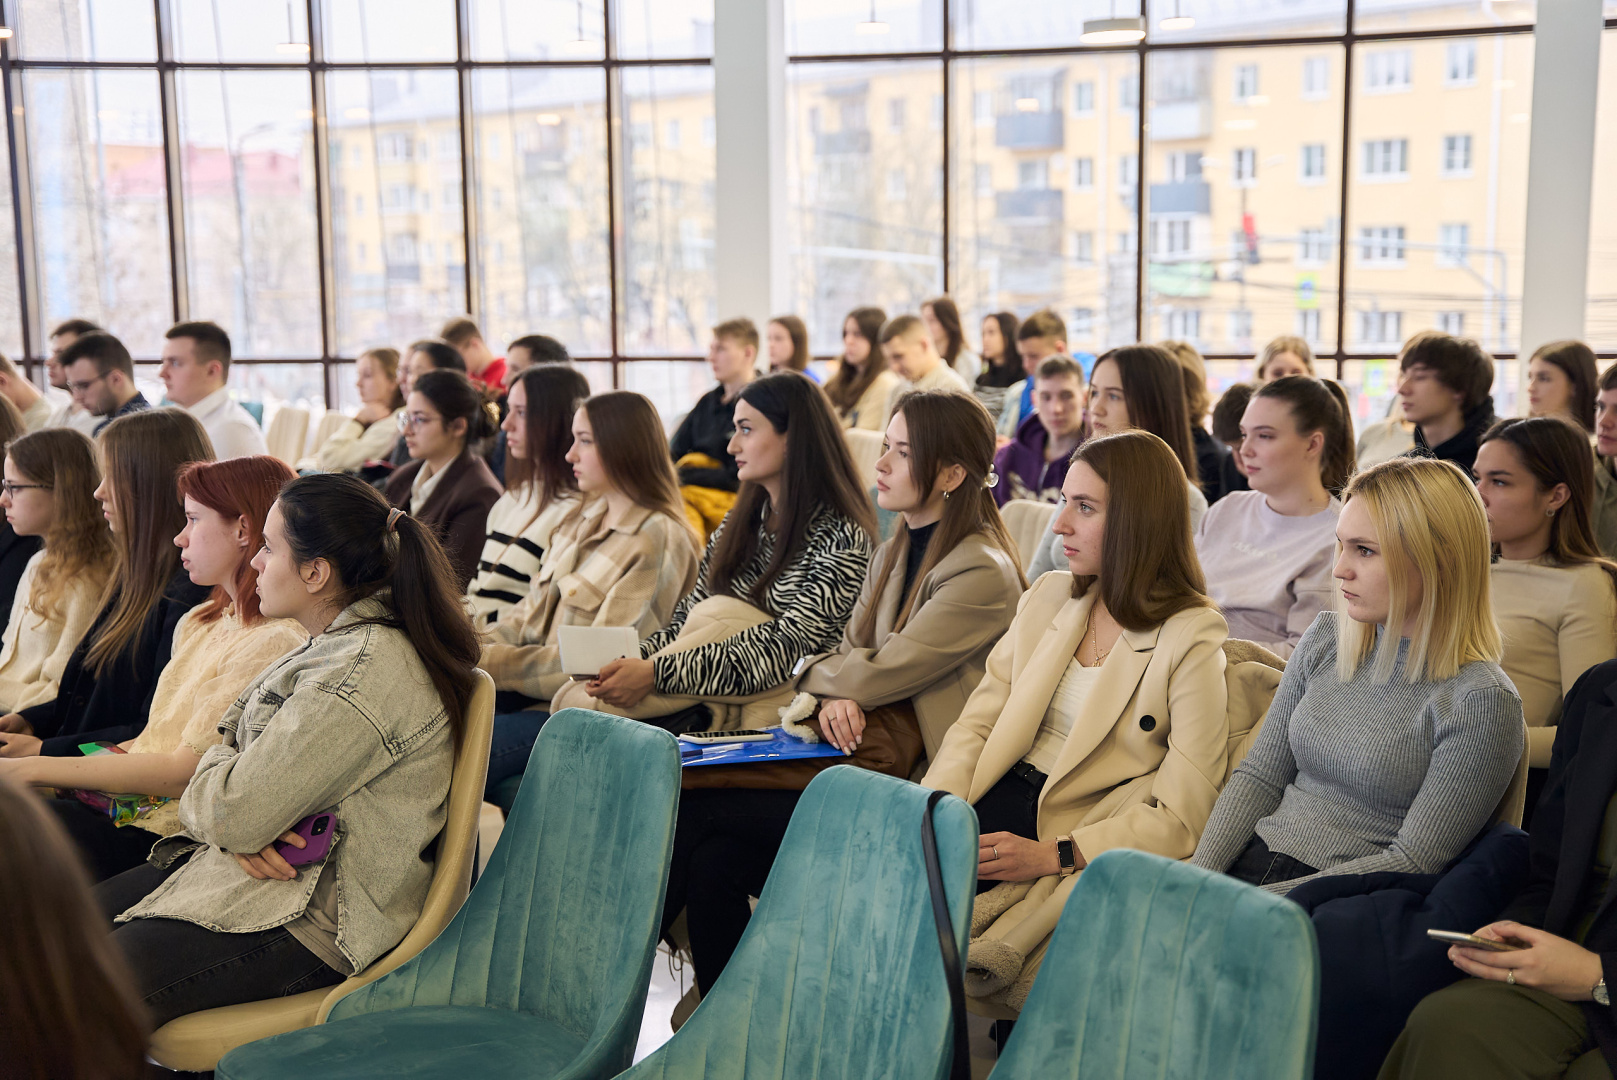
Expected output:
(518, 533)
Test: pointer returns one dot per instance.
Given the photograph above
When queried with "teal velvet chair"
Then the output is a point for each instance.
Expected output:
(543, 972)
(839, 976)
(1162, 970)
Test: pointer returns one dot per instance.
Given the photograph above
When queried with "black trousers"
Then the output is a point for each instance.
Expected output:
(182, 968)
(1257, 865)
(107, 849)
(1011, 805)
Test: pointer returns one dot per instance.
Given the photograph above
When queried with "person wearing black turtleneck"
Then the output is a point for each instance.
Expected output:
(1444, 386)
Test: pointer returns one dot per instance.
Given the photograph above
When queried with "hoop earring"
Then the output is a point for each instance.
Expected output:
(946, 495)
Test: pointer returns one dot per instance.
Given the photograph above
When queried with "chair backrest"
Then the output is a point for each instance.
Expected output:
(1159, 968)
(563, 922)
(457, 846)
(285, 434)
(838, 975)
(330, 421)
(865, 449)
(1513, 804)
(1251, 677)
(1029, 525)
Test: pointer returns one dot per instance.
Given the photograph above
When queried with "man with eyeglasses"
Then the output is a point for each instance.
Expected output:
(67, 413)
(101, 377)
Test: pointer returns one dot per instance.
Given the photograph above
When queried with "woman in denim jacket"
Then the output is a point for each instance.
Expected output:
(363, 720)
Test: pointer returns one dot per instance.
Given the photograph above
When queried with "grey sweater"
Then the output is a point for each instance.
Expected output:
(1360, 777)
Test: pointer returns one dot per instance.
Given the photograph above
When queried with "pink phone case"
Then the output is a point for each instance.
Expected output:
(317, 831)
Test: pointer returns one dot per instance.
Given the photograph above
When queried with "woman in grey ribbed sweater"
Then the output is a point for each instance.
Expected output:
(1382, 752)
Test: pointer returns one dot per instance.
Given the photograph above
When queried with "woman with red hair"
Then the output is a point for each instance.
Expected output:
(220, 646)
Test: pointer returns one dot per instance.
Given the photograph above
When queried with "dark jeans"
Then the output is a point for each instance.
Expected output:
(510, 748)
(1011, 805)
(1257, 865)
(182, 968)
(107, 849)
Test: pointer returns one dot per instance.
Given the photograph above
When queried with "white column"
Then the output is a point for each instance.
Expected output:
(1560, 172)
(749, 76)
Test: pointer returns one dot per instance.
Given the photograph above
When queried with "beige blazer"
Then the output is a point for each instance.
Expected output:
(1141, 768)
(963, 605)
(870, 413)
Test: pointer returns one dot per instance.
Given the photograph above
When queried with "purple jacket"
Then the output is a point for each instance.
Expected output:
(1023, 472)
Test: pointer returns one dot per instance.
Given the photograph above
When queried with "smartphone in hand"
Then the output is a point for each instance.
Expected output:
(1471, 941)
(316, 830)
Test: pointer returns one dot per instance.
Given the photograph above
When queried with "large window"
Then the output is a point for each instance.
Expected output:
(545, 164)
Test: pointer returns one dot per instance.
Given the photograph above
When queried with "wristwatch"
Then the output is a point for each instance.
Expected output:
(1067, 855)
(1598, 992)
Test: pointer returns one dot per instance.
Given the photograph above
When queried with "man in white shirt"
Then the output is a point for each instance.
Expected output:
(67, 413)
(911, 354)
(25, 395)
(196, 363)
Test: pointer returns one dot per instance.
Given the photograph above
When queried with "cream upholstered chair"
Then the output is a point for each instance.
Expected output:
(1029, 524)
(195, 1043)
(286, 433)
(330, 421)
(865, 448)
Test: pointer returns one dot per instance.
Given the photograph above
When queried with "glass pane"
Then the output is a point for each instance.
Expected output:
(248, 181)
(993, 24)
(373, 30)
(1438, 191)
(537, 30)
(100, 201)
(669, 29)
(672, 385)
(1600, 328)
(864, 176)
(274, 385)
(542, 205)
(1045, 185)
(397, 229)
(1385, 15)
(269, 31)
(1244, 168)
(1208, 20)
(836, 27)
(669, 289)
(86, 30)
(10, 302)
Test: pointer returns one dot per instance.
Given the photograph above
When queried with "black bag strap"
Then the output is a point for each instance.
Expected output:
(960, 1067)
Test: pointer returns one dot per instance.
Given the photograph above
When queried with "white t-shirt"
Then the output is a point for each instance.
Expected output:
(1076, 684)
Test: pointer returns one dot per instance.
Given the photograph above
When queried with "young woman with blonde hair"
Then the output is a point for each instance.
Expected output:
(1285, 355)
(49, 492)
(1101, 719)
(1394, 733)
(370, 433)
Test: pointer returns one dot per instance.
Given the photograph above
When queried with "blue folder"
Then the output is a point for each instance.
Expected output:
(782, 747)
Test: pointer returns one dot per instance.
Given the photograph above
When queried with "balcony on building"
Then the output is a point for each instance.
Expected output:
(1045, 130)
(404, 272)
(1174, 120)
(846, 141)
(1182, 197)
(1041, 204)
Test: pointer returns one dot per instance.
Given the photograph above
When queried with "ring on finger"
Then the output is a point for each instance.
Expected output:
(995, 850)
(1510, 976)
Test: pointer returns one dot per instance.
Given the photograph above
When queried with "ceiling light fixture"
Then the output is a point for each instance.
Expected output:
(871, 25)
(1176, 21)
(581, 45)
(291, 46)
(1124, 31)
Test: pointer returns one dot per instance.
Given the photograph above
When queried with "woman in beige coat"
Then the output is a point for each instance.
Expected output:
(1101, 722)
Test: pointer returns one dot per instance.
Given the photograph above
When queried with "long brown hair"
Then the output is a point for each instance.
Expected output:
(799, 334)
(70, 1006)
(849, 384)
(12, 425)
(553, 392)
(634, 452)
(1154, 390)
(1320, 405)
(1577, 361)
(948, 316)
(78, 547)
(1149, 570)
(945, 429)
(818, 477)
(342, 519)
(142, 455)
(1004, 370)
(241, 488)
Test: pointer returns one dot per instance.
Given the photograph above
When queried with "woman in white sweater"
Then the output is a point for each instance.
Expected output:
(369, 435)
(540, 487)
(1267, 552)
(1555, 598)
(49, 491)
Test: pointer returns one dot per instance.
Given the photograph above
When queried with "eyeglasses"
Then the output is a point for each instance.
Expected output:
(410, 421)
(81, 387)
(9, 489)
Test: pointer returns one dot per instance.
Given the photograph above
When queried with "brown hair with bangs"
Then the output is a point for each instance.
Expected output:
(1149, 571)
(142, 455)
(1154, 390)
(78, 546)
(634, 452)
(238, 489)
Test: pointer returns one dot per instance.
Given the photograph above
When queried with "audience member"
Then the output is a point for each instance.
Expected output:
(105, 692)
(779, 578)
(1285, 355)
(943, 326)
(447, 487)
(195, 368)
(937, 597)
(788, 345)
(1136, 386)
(1210, 456)
(68, 1001)
(700, 446)
(624, 558)
(31, 404)
(15, 549)
(1226, 423)
(540, 488)
(1034, 464)
(428, 354)
(860, 388)
(1066, 750)
(49, 493)
(910, 354)
(69, 413)
(1002, 364)
(1267, 553)
(1544, 1009)
(1443, 386)
(1561, 381)
(101, 376)
(482, 366)
(362, 721)
(1554, 596)
(370, 433)
(1394, 732)
(220, 646)
(1603, 510)
(531, 351)
(1042, 334)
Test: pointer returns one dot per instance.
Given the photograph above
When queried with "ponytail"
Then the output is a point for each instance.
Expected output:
(378, 552)
(1320, 405)
(455, 398)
